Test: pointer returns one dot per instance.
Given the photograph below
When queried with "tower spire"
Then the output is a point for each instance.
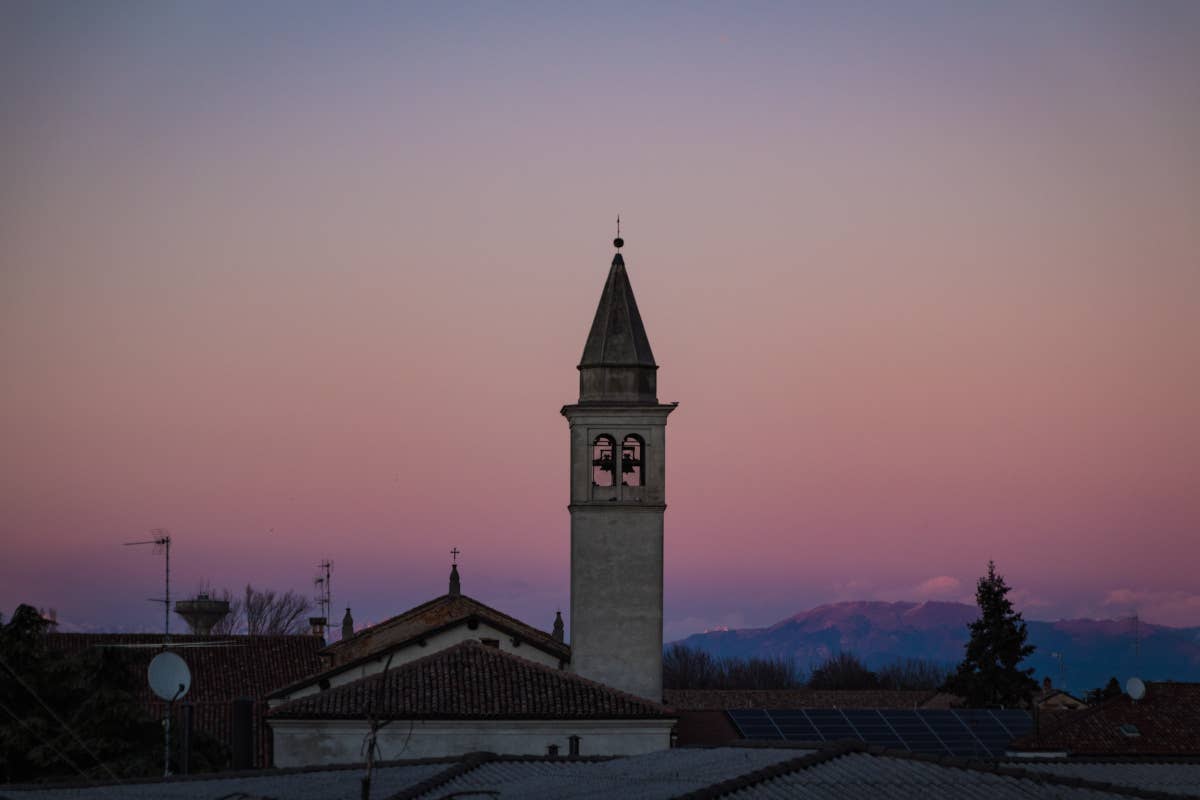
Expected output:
(617, 363)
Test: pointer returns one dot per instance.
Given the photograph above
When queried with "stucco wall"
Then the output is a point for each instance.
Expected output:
(617, 598)
(617, 552)
(301, 743)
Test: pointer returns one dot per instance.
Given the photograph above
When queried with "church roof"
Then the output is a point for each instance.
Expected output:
(437, 614)
(618, 337)
(471, 681)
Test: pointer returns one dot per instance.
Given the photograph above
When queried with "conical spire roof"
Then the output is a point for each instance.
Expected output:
(617, 365)
(618, 337)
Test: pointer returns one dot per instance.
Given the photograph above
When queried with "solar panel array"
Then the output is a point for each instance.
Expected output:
(960, 732)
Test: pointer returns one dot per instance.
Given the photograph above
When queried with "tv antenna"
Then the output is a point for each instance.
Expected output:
(323, 586)
(162, 544)
(1137, 640)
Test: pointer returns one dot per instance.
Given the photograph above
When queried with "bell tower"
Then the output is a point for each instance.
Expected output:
(618, 471)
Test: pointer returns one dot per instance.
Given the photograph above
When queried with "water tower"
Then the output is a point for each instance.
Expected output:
(202, 613)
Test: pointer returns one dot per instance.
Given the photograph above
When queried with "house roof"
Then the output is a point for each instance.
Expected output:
(1060, 697)
(224, 668)
(653, 776)
(427, 618)
(728, 699)
(1165, 722)
(471, 681)
(850, 769)
(833, 771)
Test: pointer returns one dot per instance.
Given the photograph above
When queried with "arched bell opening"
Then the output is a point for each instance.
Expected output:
(633, 456)
(604, 463)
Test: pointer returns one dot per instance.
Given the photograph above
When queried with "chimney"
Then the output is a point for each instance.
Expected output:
(558, 633)
(1047, 686)
(347, 625)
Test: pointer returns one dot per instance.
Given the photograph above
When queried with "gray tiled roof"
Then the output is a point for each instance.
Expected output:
(328, 784)
(649, 777)
(879, 777)
(842, 770)
(1162, 776)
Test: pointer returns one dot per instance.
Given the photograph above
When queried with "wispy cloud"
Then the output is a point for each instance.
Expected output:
(1168, 607)
(938, 587)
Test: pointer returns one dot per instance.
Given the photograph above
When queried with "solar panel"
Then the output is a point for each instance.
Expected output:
(961, 732)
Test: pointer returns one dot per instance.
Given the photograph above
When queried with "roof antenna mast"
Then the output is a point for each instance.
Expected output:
(162, 544)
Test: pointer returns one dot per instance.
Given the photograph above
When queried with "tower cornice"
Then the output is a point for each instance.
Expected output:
(599, 408)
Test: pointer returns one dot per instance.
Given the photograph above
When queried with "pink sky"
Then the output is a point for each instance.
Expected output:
(313, 284)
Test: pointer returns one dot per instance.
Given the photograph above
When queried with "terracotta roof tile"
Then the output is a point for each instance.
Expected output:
(1167, 721)
(472, 681)
(248, 666)
(441, 612)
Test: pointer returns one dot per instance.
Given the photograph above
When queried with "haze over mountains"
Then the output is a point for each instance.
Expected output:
(880, 632)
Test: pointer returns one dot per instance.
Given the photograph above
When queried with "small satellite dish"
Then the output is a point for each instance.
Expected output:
(1135, 688)
(169, 676)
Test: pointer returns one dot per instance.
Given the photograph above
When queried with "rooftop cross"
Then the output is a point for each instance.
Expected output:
(454, 551)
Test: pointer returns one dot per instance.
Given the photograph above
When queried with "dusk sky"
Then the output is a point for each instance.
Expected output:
(306, 281)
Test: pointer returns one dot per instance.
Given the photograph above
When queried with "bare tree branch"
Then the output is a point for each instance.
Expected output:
(269, 613)
(232, 622)
(263, 613)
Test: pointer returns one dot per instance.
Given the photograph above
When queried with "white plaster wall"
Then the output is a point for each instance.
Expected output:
(300, 743)
(439, 641)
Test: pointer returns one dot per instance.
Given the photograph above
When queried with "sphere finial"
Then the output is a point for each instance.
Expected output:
(618, 242)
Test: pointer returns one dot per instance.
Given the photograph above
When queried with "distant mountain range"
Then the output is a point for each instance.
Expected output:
(1092, 650)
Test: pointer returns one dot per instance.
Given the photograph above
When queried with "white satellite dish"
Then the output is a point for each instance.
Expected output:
(169, 676)
(1135, 688)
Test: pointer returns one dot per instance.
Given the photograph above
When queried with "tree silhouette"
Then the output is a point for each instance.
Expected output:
(843, 671)
(1111, 689)
(262, 612)
(990, 675)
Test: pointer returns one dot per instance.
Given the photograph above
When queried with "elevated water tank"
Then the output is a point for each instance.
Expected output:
(202, 613)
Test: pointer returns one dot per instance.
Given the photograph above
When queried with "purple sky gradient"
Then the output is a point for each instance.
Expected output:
(305, 282)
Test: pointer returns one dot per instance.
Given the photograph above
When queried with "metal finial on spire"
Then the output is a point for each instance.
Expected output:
(454, 551)
(618, 242)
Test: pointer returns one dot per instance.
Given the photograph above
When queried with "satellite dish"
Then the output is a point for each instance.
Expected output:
(169, 676)
(1135, 688)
